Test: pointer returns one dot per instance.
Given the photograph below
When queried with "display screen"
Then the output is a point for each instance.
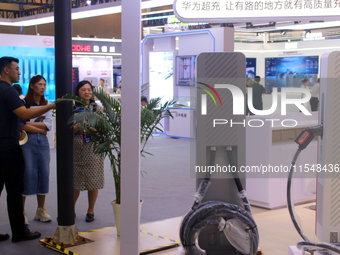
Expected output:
(75, 78)
(161, 75)
(33, 61)
(185, 70)
(290, 71)
(251, 68)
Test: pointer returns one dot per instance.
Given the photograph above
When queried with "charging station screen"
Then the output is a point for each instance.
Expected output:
(33, 61)
(185, 70)
(250, 67)
(161, 75)
(290, 71)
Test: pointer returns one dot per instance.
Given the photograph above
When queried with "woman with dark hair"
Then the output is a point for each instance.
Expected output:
(304, 83)
(19, 89)
(88, 167)
(37, 150)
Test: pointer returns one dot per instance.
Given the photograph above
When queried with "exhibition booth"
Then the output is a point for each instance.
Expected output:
(169, 66)
(95, 59)
(282, 64)
(92, 59)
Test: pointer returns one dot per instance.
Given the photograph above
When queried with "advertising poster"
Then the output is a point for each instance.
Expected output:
(33, 61)
(161, 75)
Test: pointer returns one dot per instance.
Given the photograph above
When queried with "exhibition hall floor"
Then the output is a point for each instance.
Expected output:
(276, 233)
(167, 192)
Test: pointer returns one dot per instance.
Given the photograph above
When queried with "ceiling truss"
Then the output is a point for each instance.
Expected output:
(9, 8)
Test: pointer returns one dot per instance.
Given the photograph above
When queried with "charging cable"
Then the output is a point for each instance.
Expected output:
(303, 140)
(236, 222)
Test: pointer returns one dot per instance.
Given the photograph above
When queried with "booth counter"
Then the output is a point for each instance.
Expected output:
(182, 125)
(275, 146)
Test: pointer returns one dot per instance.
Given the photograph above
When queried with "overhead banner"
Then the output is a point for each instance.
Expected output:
(260, 10)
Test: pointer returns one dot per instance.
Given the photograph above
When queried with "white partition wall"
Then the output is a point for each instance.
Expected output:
(189, 43)
(186, 43)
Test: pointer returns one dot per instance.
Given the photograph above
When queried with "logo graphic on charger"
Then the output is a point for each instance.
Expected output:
(204, 97)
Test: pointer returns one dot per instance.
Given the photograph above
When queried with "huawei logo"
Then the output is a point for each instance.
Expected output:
(48, 42)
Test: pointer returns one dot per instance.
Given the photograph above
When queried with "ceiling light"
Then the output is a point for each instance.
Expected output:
(158, 17)
(96, 39)
(157, 12)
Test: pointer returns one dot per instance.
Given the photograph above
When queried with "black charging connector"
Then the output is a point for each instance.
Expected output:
(304, 139)
(307, 135)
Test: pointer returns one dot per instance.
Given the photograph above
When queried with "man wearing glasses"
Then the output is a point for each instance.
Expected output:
(12, 164)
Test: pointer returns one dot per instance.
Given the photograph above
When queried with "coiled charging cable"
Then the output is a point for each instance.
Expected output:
(304, 139)
(236, 222)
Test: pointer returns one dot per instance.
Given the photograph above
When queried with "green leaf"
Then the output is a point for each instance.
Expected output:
(70, 97)
(104, 126)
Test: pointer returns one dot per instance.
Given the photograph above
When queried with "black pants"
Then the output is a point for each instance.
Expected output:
(257, 107)
(314, 104)
(12, 167)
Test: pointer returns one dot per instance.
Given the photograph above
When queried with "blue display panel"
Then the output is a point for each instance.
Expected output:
(250, 67)
(33, 61)
(290, 71)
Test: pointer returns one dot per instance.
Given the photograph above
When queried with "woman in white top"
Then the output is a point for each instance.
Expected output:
(305, 86)
(37, 150)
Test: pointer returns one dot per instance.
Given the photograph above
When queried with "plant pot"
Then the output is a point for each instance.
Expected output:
(116, 212)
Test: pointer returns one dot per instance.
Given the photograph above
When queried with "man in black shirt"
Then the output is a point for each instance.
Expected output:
(258, 90)
(12, 163)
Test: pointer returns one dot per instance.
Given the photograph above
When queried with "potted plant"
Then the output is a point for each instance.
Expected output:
(104, 127)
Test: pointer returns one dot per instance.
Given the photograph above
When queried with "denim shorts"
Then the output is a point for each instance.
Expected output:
(37, 160)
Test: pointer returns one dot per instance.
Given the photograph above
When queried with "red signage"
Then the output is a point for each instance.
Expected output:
(79, 47)
(48, 41)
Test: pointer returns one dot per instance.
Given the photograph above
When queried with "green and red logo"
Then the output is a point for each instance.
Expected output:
(204, 97)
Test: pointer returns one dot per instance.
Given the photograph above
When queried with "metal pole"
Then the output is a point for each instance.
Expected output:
(21, 28)
(131, 95)
(63, 74)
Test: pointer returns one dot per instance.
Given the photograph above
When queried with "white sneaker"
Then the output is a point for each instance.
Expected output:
(42, 215)
(26, 219)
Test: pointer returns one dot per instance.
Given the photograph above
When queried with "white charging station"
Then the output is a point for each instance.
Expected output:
(328, 184)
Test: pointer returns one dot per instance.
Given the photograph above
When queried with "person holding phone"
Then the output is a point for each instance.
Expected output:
(88, 166)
